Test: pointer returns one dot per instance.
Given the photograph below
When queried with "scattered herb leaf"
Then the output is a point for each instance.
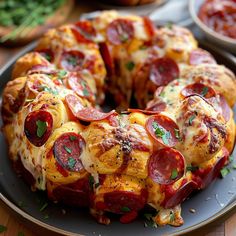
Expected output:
(72, 60)
(72, 138)
(71, 162)
(224, 171)
(3, 228)
(43, 207)
(172, 216)
(149, 222)
(41, 128)
(177, 134)
(61, 74)
(130, 65)
(166, 137)
(67, 149)
(190, 121)
(174, 174)
(46, 216)
(20, 234)
(91, 181)
(192, 168)
(159, 132)
(125, 209)
(204, 91)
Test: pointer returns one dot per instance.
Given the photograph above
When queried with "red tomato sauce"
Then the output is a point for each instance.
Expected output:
(220, 16)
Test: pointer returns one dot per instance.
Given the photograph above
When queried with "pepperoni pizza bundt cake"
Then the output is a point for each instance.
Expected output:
(146, 159)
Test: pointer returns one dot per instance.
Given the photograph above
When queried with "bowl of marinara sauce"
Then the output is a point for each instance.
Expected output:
(217, 20)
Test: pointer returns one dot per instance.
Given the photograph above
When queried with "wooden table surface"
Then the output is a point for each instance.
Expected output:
(225, 226)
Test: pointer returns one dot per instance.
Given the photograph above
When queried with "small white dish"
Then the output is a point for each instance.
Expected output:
(216, 38)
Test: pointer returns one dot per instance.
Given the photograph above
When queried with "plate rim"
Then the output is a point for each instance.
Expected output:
(54, 229)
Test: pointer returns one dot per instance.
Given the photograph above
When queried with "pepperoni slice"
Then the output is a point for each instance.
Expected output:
(198, 88)
(42, 69)
(74, 194)
(225, 108)
(84, 31)
(38, 127)
(176, 197)
(120, 31)
(203, 177)
(149, 26)
(85, 113)
(221, 105)
(166, 166)
(72, 60)
(163, 71)
(80, 86)
(106, 56)
(163, 129)
(200, 56)
(47, 54)
(156, 105)
(121, 202)
(67, 150)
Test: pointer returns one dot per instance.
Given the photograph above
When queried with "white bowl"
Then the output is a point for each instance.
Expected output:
(211, 35)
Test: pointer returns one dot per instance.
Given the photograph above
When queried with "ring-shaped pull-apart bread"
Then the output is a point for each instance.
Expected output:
(123, 161)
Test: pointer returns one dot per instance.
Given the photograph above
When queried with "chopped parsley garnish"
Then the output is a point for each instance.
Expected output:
(160, 132)
(191, 168)
(20, 234)
(169, 25)
(149, 222)
(130, 65)
(41, 128)
(177, 133)
(234, 166)
(204, 91)
(72, 138)
(3, 228)
(162, 94)
(62, 73)
(125, 209)
(43, 207)
(172, 216)
(190, 121)
(231, 158)
(174, 174)
(85, 89)
(225, 171)
(91, 181)
(72, 60)
(71, 162)
(49, 90)
(124, 37)
(46, 216)
(86, 92)
(68, 149)
(47, 57)
(166, 137)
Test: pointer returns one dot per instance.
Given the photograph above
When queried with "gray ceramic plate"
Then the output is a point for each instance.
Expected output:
(210, 204)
